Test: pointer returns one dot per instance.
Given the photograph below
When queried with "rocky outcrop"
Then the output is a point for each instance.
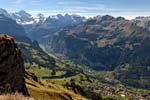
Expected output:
(11, 67)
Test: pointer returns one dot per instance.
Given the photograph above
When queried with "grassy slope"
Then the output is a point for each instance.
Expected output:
(33, 55)
(41, 90)
(15, 96)
(99, 82)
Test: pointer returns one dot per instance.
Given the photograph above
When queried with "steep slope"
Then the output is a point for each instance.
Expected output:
(107, 43)
(33, 54)
(4, 12)
(9, 26)
(41, 90)
(26, 19)
(11, 67)
(22, 17)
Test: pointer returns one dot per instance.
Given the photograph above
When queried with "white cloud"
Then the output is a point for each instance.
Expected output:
(17, 1)
(96, 7)
(70, 2)
(126, 14)
(89, 10)
(36, 2)
(55, 12)
(131, 14)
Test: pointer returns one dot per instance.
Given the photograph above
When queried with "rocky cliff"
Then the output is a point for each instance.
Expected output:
(11, 67)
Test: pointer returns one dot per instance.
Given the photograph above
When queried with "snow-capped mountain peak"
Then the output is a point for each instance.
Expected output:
(22, 17)
(4, 12)
(24, 13)
(40, 18)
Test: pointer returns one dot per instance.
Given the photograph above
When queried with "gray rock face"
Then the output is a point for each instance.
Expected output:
(11, 67)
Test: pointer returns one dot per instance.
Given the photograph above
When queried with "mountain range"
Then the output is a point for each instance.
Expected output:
(42, 25)
(106, 43)
(101, 55)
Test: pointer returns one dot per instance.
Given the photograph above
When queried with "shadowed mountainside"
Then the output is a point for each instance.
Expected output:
(107, 43)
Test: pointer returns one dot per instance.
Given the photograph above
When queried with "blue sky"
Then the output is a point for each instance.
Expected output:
(125, 8)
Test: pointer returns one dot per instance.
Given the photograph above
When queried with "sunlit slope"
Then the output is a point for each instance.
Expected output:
(41, 90)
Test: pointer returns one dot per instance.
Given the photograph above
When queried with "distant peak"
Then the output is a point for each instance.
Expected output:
(142, 18)
(1, 9)
(120, 18)
(67, 14)
(107, 17)
(59, 15)
(40, 15)
(24, 13)
(4, 12)
(104, 17)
